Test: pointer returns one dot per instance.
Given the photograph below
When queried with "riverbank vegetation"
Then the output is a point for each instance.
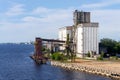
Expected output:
(109, 50)
(58, 56)
(109, 47)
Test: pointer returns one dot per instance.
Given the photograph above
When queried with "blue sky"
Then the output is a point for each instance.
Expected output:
(23, 20)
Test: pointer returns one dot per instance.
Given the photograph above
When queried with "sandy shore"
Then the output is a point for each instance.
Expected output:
(104, 65)
(106, 68)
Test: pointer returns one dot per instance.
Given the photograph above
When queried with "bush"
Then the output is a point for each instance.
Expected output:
(58, 56)
(114, 58)
(88, 55)
(101, 56)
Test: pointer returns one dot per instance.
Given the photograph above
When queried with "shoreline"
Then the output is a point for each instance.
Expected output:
(86, 68)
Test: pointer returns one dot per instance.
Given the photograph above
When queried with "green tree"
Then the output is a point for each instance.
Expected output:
(69, 51)
(112, 46)
(117, 47)
(67, 45)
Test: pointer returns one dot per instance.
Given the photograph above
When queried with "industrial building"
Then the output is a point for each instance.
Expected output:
(83, 33)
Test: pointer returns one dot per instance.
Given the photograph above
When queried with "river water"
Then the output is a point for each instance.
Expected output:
(15, 64)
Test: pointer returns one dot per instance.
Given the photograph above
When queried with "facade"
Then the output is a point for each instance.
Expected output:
(63, 34)
(87, 39)
(64, 31)
(84, 34)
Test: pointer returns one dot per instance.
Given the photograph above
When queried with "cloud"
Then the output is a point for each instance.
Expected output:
(31, 19)
(15, 10)
(33, 26)
(109, 22)
(101, 4)
(40, 10)
(45, 22)
(50, 16)
(21, 32)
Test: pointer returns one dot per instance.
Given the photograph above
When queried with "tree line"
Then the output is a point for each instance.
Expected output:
(109, 46)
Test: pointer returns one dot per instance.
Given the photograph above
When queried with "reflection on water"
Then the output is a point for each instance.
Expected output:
(15, 64)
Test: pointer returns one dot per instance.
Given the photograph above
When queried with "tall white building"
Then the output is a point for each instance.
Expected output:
(87, 38)
(84, 34)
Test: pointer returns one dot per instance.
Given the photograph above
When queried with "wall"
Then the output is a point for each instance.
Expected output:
(80, 40)
(63, 34)
(87, 38)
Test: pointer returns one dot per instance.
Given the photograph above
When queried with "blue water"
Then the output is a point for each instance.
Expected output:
(15, 64)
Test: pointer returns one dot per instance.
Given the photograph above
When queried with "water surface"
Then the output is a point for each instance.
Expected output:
(15, 64)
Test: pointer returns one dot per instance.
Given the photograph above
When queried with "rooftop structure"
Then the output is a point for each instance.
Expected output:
(81, 17)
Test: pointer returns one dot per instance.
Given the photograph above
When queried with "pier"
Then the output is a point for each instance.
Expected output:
(38, 54)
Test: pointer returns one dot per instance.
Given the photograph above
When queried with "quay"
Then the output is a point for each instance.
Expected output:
(109, 69)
